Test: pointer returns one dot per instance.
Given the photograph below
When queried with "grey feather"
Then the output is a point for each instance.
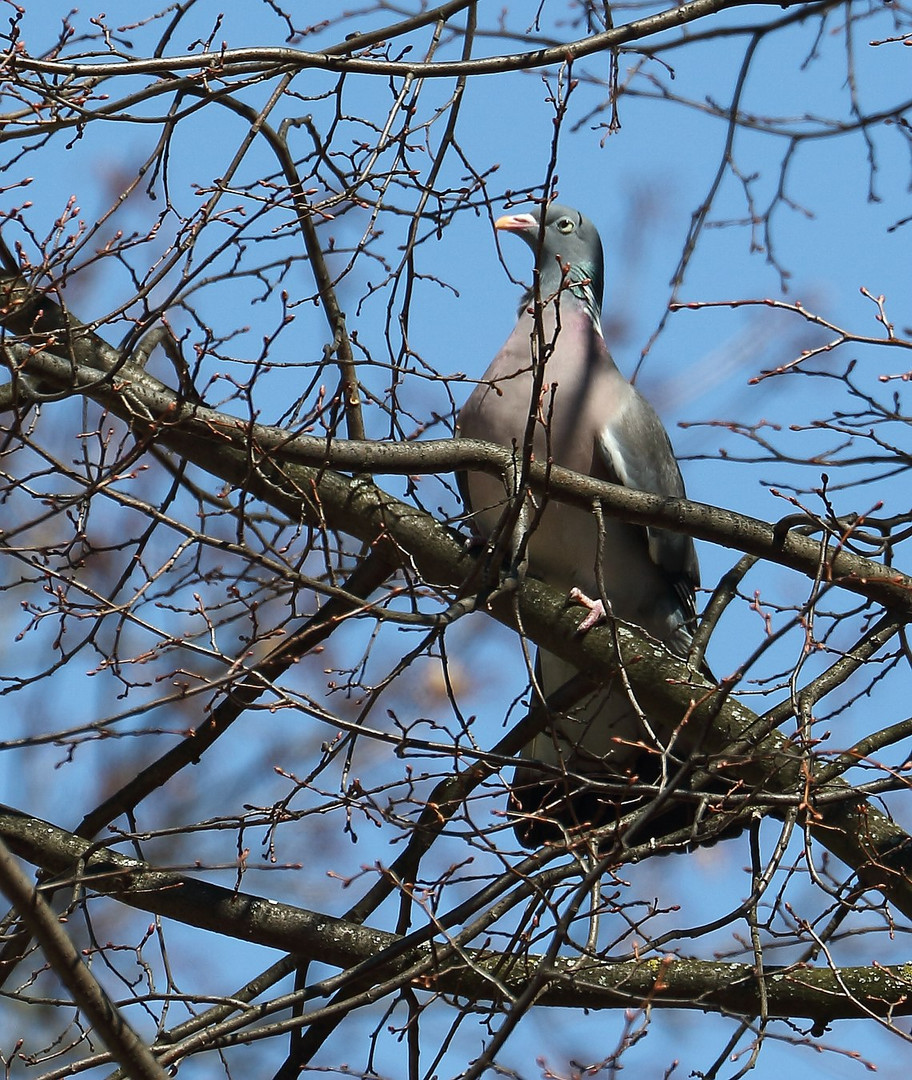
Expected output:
(589, 419)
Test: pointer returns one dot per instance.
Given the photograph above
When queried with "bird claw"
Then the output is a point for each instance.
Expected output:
(596, 614)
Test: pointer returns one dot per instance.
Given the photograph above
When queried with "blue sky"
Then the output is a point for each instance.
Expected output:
(641, 186)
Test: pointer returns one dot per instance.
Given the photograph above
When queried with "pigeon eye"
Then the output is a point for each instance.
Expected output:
(565, 225)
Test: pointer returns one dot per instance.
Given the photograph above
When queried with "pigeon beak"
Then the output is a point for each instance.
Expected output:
(516, 222)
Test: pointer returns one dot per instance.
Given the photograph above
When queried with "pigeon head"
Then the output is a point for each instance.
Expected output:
(570, 255)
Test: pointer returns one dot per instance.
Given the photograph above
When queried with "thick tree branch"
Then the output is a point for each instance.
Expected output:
(819, 994)
(665, 688)
(160, 413)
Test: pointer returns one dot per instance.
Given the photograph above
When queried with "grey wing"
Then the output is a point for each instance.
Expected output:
(636, 449)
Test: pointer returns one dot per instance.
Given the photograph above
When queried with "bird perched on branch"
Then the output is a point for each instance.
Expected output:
(554, 389)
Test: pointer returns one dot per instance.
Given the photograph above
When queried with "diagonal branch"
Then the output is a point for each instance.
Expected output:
(290, 472)
(125, 1045)
(402, 535)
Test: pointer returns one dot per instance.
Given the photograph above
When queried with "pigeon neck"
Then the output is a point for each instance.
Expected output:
(581, 291)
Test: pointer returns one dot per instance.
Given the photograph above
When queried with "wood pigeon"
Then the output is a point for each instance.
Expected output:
(585, 416)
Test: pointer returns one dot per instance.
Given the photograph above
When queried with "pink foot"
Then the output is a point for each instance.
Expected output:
(596, 610)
